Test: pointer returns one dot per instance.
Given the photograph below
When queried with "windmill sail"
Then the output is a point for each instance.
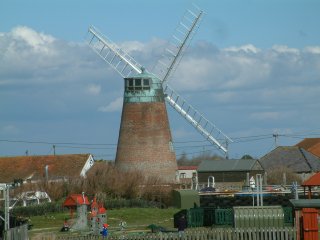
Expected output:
(196, 119)
(179, 41)
(118, 59)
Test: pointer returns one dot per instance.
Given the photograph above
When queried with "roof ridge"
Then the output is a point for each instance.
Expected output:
(305, 158)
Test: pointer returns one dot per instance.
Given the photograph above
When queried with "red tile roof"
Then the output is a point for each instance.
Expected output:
(314, 180)
(187, 167)
(24, 167)
(311, 145)
(74, 200)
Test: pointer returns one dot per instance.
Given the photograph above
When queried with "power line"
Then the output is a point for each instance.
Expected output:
(57, 143)
(179, 145)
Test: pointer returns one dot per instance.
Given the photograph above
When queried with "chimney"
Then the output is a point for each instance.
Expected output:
(46, 172)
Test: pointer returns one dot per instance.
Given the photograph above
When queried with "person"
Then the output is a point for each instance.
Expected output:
(104, 231)
(182, 225)
(65, 227)
(122, 225)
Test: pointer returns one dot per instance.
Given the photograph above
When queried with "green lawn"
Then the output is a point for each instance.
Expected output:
(137, 219)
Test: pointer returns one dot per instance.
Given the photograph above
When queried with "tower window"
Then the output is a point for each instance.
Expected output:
(129, 84)
(137, 84)
(146, 84)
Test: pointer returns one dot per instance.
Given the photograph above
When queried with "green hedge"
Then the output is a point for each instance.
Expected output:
(53, 207)
(37, 210)
(129, 203)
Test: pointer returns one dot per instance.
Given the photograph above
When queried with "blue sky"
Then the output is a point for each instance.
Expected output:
(253, 69)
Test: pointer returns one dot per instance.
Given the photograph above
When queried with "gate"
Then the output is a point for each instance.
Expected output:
(310, 223)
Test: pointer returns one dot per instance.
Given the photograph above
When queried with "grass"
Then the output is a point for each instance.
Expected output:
(137, 219)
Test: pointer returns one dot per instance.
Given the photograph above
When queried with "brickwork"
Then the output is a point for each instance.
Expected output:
(145, 141)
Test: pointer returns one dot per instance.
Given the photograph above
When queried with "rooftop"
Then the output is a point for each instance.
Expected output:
(33, 167)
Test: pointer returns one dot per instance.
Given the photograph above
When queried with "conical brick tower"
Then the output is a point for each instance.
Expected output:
(145, 142)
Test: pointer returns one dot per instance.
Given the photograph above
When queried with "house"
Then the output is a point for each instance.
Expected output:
(295, 158)
(312, 145)
(230, 172)
(185, 173)
(22, 169)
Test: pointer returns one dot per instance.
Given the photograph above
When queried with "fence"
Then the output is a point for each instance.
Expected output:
(17, 233)
(286, 233)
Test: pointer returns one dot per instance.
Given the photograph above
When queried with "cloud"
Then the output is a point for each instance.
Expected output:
(10, 129)
(313, 49)
(249, 48)
(238, 86)
(113, 106)
(285, 49)
(38, 41)
(29, 57)
(94, 89)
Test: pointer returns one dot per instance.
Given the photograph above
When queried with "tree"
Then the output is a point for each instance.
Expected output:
(246, 156)
(275, 176)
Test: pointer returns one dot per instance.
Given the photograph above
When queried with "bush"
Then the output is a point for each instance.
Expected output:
(36, 210)
(275, 176)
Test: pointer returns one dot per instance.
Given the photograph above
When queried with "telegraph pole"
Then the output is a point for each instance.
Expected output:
(275, 135)
(5, 189)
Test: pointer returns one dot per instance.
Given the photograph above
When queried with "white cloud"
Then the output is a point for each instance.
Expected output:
(113, 106)
(249, 48)
(239, 86)
(38, 41)
(131, 46)
(94, 89)
(313, 49)
(285, 49)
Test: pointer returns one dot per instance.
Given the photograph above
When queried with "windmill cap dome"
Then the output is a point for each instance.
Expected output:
(143, 74)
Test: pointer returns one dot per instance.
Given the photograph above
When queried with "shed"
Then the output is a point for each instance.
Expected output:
(229, 170)
(306, 218)
(185, 198)
(313, 181)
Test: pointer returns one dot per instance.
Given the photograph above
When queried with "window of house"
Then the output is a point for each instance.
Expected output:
(182, 175)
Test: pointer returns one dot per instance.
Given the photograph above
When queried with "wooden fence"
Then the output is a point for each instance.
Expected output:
(287, 233)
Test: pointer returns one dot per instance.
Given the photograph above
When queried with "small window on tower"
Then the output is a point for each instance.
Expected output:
(138, 84)
(130, 84)
(146, 84)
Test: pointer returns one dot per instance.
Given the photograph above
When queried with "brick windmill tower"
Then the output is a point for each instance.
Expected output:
(145, 141)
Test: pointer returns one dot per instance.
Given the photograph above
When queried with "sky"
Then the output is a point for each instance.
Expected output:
(253, 69)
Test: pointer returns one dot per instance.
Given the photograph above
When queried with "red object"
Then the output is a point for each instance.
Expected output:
(310, 223)
(97, 208)
(74, 200)
(313, 181)
(105, 225)
(187, 167)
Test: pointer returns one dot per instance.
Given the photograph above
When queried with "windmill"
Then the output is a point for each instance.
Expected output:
(145, 141)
